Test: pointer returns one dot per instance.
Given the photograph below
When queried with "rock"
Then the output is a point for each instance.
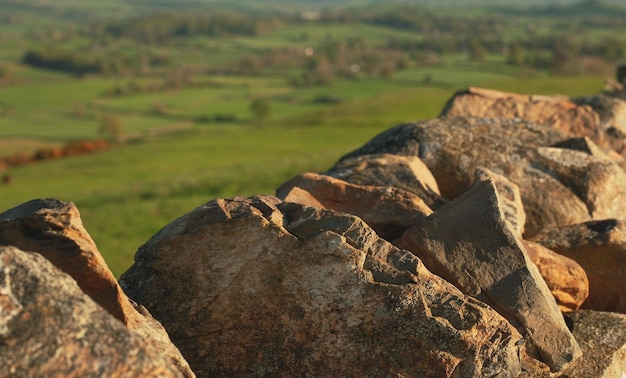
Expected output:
(54, 229)
(586, 145)
(302, 197)
(601, 118)
(256, 286)
(469, 244)
(510, 199)
(453, 148)
(50, 328)
(602, 338)
(403, 172)
(612, 120)
(565, 278)
(389, 211)
(599, 182)
(600, 248)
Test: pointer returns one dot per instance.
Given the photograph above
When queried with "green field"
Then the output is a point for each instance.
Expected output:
(197, 139)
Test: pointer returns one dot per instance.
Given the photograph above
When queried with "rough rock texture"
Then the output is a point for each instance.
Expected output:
(404, 172)
(602, 338)
(389, 211)
(510, 199)
(600, 248)
(565, 278)
(453, 148)
(599, 182)
(54, 229)
(586, 145)
(611, 127)
(50, 328)
(259, 287)
(302, 197)
(601, 118)
(469, 243)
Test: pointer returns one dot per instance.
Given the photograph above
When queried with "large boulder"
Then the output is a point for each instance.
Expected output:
(600, 248)
(388, 210)
(54, 229)
(601, 118)
(260, 287)
(454, 147)
(469, 243)
(404, 172)
(602, 338)
(50, 328)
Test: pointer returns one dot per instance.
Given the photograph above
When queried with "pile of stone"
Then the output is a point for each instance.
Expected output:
(488, 242)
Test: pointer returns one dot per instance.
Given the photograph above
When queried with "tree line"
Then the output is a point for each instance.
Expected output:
(159, 28)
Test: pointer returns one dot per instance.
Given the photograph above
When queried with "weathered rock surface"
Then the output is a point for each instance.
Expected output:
(602, 338)
(601, 118)
(600, 248)
(389, 211)
(586, 145)
(599, 182)
(404, 172)
(54, 229)
(453, 148)
(469, 243)
(510, 199)
(565, 278)
(50, 328)
(611, 127)
(260, 287)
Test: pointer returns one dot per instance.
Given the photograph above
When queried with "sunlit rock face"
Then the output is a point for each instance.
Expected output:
(255, 285)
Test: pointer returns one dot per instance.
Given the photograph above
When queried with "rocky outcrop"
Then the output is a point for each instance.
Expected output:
(565, 278)
(469, 243)
(54, 229)
(453, 148)
(388, 210)
(50, 328)
(602, 338)
(404, 172)
(307, 283)
(600, 248)
(601, 118)
(257, 286)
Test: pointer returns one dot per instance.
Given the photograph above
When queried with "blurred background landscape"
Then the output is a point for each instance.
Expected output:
(139, 111)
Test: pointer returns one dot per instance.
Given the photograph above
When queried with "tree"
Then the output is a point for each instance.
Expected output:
(516, 55)
(110, 127)
(477, 52)
(260, 109)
